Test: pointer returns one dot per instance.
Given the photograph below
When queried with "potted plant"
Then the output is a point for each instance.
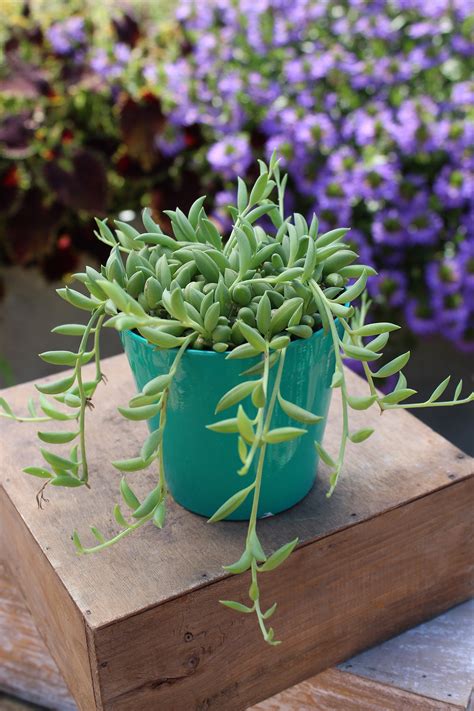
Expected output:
(235, 347)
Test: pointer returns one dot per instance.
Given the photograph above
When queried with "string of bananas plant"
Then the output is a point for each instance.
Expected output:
(249, 297)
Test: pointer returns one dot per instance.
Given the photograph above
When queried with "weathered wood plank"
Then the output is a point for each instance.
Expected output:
(388, 550)
(334, 690)
(26, 667)
(435, 659)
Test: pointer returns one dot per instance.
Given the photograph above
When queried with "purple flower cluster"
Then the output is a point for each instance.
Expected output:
(67, 36)
(368, 105)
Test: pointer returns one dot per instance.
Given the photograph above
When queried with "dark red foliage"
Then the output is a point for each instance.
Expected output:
(30, 232)
(140, 124)
(83, 187)
(126, 29)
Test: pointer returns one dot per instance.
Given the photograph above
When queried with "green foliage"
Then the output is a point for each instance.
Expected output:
(250, 297)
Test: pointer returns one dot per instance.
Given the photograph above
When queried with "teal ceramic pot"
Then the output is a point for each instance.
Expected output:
(201, 465)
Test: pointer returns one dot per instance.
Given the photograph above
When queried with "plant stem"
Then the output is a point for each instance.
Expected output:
(98, 314)
(120, 535)
(345, 413)
(264, 429)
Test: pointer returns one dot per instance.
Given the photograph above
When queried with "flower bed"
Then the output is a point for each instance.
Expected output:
(368, 104)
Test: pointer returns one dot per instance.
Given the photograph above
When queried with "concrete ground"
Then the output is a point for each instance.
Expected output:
(31, 308)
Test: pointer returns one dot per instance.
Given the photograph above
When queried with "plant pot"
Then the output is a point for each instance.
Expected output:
(201, 465)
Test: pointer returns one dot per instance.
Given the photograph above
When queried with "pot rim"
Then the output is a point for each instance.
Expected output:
(194, 351)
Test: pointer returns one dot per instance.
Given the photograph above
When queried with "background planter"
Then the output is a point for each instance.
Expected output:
(201, 465)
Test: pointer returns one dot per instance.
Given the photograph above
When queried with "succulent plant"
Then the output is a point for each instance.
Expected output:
(276, 279)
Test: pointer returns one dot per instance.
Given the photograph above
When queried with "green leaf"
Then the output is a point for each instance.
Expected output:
(128, 495)
(325, 456)
(258, 190)
(276, 559)
(119, 517)
(77, 542)
(236, 394)
(56, 461)
(264, 314)
(224, 426)
(241, 565)
(206, 266)
(283, 434)
(65, 480)
(360, 353)
(361, 435)
(160, 515)
(242, 195)
(237, 606)
(337, 379)
(378, 343)
(283, 314)
(159, 338)
(6, 407)
(51, 411)
(151, 443)
(212, 317)
(352, 292)
(255, 547)
(437, 392)
(148, 504)
(195, 210)
(97, 534)
(266, 615)
(75, 298)
(134, 464)
(211, 233)
(332, 236)
(243, 351)
(70, 329)
(38, 471)
(298, 413)
(157, 385)
(56, 386)
(458, 390)
(361, 403)
(140, 413)
(57, 437)
(393, 366)
(177, 307)
(397, 396)
(339, 310)
(279, 342)
(232, 503)
(258, 396)
(310, 261)
(288, 275)
(244, 251)
(245, 425)
(375, 329)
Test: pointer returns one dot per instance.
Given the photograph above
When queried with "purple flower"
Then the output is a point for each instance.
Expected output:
(420, 318)
(388, 286)
(231, 156)
(389, 229)
(66, 36)
(453, 187)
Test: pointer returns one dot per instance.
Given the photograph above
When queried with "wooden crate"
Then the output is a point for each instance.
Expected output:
(139, 627)
(428, 668)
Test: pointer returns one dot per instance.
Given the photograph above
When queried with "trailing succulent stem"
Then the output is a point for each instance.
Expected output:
(275, 280)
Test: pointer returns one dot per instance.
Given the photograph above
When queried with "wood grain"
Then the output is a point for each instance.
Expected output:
(334, 690)
(435, 659)
(386, 551)
(28, 670)
(26, 667)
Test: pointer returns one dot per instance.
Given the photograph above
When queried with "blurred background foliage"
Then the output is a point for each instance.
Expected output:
(108, 107)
